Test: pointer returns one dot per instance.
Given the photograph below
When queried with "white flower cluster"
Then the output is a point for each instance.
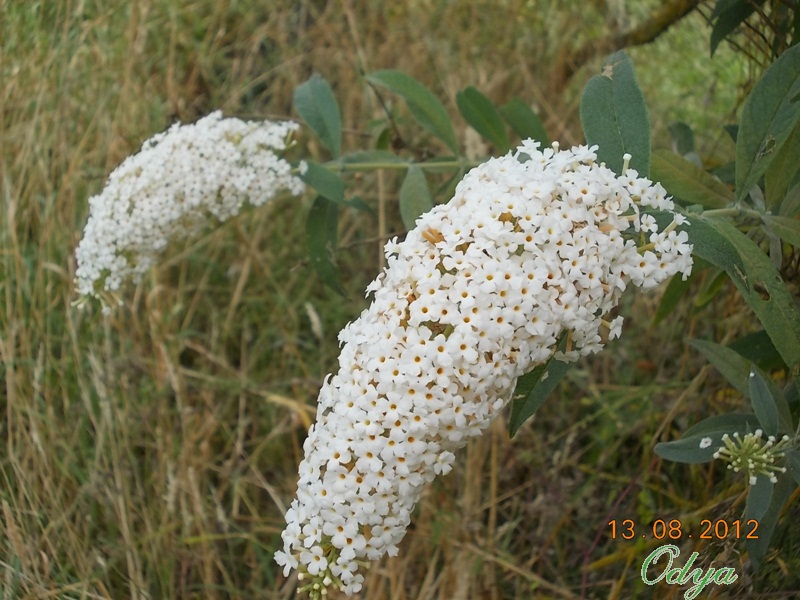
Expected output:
(177, 182)
(530, 249)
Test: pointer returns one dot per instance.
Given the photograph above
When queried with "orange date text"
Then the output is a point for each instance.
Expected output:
(675, 529)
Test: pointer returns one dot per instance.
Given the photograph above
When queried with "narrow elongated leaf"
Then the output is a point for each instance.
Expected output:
(790, 207)
(708, 243)
(711, 287)
(793, 464)
(763, 403)
(725, 173)
(737, 369)
(532, 390)
(525, 123)
(424, 106)
(693, 450)
(758, 349)
(727, 16)
(700, 442)
(359, 204)
(729, 422)
(721, 6)
(447, 188)
(415, 196)
(770, 113)
(759, 498)
(782, 172)
(326, 182)
(734, 367)
(720, 243)
(757, 547)
(688, 183)
(785, 228)
(682, 137)
(321, 241)
(479, 112)
(315, 103)
(676, 288)
(614, 116)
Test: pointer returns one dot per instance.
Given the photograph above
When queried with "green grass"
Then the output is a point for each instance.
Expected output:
(151, 453)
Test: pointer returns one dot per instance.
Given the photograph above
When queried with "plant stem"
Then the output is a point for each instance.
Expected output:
(734, 211)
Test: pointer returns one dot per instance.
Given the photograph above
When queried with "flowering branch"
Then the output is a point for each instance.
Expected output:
(532, 246)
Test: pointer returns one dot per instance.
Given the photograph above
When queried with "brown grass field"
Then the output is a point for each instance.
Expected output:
(151, 453)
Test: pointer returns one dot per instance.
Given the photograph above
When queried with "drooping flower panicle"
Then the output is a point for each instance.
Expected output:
(535, 245)
(179, 181)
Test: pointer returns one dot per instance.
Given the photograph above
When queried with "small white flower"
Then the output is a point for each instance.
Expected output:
(705, 442)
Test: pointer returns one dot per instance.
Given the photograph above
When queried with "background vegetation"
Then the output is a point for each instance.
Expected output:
(152, 453)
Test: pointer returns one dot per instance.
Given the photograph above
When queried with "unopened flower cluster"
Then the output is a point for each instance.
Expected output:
(535, 248)
(753, 455)
(179, 181)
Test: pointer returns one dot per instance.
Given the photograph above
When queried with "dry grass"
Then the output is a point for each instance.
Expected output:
(151, 453)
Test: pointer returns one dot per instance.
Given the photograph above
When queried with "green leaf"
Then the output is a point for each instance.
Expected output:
(614, 116)
(727, 16)
(790, 207)
(725, 173)
(693, 450)
(763, 403)
(359, 204)
(759, 349)
(424, 106)
(525, 123)
(733, 367)
(321, 241)
(757, 548)
(415, 196)
(326, 182)
(687, 182)
(709, 244)
(732, 130)
(784, 227)
(315, 103)
(707, 433)
(782, 173)
(770, 113)
(716, 280)
(676, 288)
(736, 369)
(532, 390)
(717, 241)
(447, 188)
(482, 115)
(384, 139)
(682, 137)
(759, 498)
(728, 422)
(793, 464)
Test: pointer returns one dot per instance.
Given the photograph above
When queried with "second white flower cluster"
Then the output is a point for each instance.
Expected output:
(179, 181)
